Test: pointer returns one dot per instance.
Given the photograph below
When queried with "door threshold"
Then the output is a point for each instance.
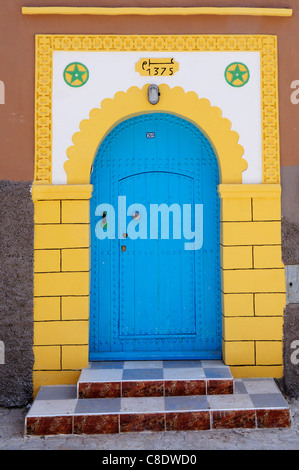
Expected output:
(159, 356)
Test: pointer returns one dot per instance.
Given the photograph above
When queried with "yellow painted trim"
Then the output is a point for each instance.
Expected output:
(60, 192)
(236, 191)
(266, 45)
(172, 100)
(168, 11)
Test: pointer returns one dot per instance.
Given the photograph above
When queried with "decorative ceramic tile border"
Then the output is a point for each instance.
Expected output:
(47, 44)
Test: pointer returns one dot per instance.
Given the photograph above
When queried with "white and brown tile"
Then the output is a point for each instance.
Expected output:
(256, 403)
(154, 378)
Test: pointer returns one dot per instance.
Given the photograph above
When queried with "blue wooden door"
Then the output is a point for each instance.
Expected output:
(153, 296)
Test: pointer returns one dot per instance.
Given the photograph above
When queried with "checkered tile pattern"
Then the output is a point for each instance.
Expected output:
(134, 396)
(249, 394)
(154, 370)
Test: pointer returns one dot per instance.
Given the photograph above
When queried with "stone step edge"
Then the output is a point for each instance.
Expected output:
(159, 421)
(154, 388)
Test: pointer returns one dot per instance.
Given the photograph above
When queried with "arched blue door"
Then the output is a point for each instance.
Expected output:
(155, 271)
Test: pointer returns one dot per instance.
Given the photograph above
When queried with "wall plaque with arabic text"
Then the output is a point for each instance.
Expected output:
(157, 67)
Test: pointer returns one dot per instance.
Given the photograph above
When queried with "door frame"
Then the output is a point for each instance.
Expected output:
(65, 324)
(96, 316)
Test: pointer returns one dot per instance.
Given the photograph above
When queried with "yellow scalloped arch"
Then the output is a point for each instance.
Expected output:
(172, 100)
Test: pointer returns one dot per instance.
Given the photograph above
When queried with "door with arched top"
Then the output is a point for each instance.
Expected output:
(155, 248)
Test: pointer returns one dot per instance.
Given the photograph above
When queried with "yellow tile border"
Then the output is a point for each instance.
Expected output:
(157, 11)
(266, 45)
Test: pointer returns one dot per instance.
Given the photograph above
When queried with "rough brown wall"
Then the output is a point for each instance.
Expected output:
(290, 256)
(16, 292)
(290, 197)
(291, 333)
(290, 241)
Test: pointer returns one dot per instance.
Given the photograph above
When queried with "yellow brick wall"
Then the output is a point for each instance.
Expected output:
(61, 283)
(253, 279)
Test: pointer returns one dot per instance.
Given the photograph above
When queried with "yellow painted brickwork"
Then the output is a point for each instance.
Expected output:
(266, 209)
(251, 233)
(54, 377)
(267, 256)
(61, 236)
(46, 308)
(47, 357)
(234, 257)
(257, 371)
(74, 357)
(253, 282)
(61, 283)
(75, 283)
(270, 304)
(239, 305)
(239, 352)
(252, 328)
(46, 261)
(47, 212)
(61, 332)
(253, 279)
(268, 352)
(76, 308)
(75, 212)
(237, 209)
(75, 259)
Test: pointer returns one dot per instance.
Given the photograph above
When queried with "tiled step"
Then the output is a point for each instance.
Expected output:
(154, 379)
(256, 403)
